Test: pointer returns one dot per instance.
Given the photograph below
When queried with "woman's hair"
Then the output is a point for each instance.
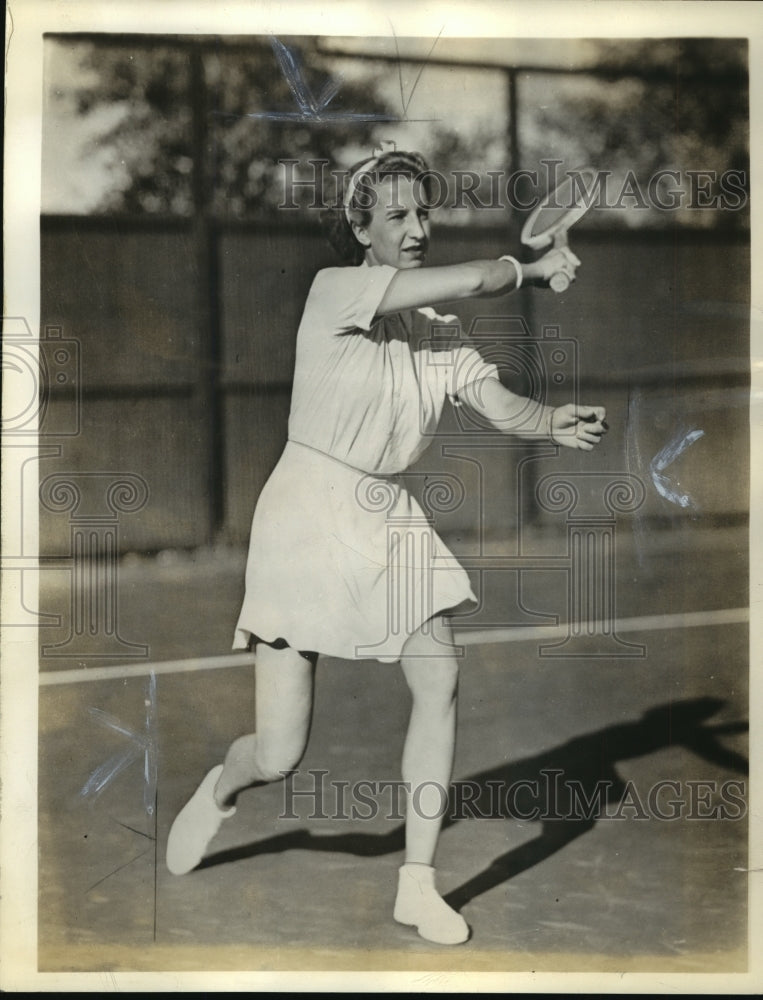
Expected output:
(334, 218)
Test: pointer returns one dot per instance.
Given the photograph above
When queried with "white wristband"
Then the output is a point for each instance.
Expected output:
(517, 268)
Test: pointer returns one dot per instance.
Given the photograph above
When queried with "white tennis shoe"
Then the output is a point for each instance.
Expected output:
(419, 905)
(195, 826)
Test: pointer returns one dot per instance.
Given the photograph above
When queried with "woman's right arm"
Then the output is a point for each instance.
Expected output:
(412, 288)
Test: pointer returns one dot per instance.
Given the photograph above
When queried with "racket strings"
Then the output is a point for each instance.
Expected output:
(561, 208)
(566, 203)
(549, 217)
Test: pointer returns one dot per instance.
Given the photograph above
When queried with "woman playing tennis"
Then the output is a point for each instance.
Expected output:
(370, 384)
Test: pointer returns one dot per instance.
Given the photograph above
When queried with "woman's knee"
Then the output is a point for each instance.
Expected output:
(433, 638)
(436, 681)
(264, 759)
(432, 681)
(276, 762)
(429, 663)
(284, 698)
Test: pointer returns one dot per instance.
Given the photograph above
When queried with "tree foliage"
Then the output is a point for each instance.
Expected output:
(653, 104)
(250, 120)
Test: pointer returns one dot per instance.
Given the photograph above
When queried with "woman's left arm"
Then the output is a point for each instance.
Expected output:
(570, 425)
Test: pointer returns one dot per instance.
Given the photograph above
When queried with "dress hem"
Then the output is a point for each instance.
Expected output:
(243, 637)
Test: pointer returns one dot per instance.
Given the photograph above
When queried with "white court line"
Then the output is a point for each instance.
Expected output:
(647, 623)
(121, 670)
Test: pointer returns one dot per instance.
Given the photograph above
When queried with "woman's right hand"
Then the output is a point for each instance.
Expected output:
(557, 260)
(577, 426)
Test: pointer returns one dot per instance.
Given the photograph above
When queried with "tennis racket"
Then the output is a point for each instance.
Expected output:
(551, 219)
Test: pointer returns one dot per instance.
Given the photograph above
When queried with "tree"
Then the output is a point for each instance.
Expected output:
(250, 115)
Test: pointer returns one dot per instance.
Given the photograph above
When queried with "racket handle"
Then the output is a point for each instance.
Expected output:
(559, 282)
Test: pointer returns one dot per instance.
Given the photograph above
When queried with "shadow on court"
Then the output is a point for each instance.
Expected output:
(573, 782)
(593, 819)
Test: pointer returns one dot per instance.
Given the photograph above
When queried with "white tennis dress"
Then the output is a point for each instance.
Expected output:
(342, 559)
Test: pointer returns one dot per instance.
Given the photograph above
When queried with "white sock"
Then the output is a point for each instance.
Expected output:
(419, 904)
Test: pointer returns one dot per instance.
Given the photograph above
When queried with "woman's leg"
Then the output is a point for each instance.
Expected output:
(284, 680)
(284, 698)
(432, 676)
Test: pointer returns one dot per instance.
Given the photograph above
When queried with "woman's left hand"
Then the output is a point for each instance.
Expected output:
(578, 426)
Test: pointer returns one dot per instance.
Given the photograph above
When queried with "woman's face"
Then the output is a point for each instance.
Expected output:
(398, 233)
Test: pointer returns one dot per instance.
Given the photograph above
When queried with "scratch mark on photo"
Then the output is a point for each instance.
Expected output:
(115, 870)
(143, 744)
(406, 104)
(313, 109)
(133, 829)
(666, 456)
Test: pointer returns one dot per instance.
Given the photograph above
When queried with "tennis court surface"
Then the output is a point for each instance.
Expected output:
(597, 822)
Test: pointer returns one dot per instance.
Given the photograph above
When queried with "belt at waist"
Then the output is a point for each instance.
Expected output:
(347, 465)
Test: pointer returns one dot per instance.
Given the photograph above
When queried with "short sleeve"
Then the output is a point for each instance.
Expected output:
(346, 298)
